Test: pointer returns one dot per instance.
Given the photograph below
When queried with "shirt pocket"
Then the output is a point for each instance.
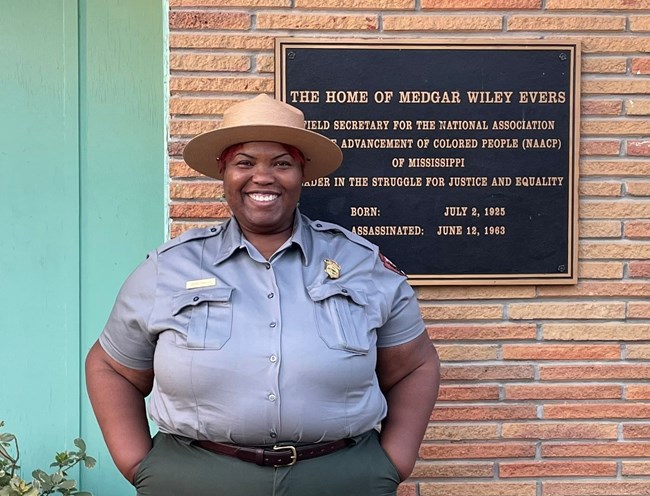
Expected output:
(208, 315)
(341, 319)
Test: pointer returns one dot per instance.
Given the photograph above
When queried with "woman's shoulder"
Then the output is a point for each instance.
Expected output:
(190, 235)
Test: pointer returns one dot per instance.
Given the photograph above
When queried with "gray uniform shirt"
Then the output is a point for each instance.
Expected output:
(251, 351)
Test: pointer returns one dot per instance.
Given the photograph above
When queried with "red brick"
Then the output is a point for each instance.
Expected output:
(614, 126)
(596, 332)
(483, 413)
(610, 449)
(594, 188)
(641, 65)
(639, 269)
(199, 19)
(229, 41)
(601, 107)
(221, 84)
(597, 411)
(561, 352)
(602, 488)
(635, 468)
(454, 451)
(475, 392)
(638, 392)
(638, 351)
(462, 432)
(613, 168)
(463, 293)
(557, 469)
(637, 188)
(176, 147)
(179, 169)
(461, 312)
(563, 392)
(556, 430)
(575, 310)
(638, 229)
(481, 4)
(452, 470)
(600, 147)
(580, 372)
(491, 488)
(407, 489)
(596, 4)
(196, 189)
(638, 309)
(640, 148)
(481, 332)
(592, 289)
(208, 210)
(467, 352)
(636, 431)
(486, 372)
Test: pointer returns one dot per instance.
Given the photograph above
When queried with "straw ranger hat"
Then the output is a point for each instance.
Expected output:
(263, 119)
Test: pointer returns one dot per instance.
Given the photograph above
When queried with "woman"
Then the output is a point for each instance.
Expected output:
(271, 345)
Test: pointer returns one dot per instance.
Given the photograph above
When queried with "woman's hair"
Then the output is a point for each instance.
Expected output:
(232, 150)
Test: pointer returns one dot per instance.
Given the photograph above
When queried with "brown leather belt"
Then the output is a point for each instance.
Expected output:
(274, 456)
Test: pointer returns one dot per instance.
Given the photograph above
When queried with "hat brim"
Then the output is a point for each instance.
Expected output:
(322, 155)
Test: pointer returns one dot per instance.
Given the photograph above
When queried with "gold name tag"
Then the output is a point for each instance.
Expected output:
(201, 283)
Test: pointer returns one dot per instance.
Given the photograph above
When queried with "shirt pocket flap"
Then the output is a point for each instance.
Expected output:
(324, 291)
(192, 299)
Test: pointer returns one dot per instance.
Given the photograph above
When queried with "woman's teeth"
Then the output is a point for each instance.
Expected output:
(262, 198)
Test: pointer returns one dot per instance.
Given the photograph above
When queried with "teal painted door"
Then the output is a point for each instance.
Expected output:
(82, 154)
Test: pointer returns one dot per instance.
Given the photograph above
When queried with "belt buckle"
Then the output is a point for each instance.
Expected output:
(294, 455)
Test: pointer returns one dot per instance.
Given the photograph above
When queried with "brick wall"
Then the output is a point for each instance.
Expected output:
(546, 388)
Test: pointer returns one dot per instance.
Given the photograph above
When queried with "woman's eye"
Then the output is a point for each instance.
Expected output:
(244, 163)
(284, 164)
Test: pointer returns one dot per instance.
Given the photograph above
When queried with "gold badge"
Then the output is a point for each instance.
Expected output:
(332, 269)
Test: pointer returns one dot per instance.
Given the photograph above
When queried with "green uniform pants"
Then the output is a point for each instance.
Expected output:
(174, 467)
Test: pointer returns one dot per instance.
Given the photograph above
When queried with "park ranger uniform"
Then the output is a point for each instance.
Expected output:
(258, 352)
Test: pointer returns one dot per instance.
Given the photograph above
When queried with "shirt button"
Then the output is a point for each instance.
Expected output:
(268, 266)
(273, 434)
(270, 295)
(273, 324)
(273, 359)
(196, 298)
(271, 397)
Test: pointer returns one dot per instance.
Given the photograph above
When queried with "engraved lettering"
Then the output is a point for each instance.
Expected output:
(450, 231)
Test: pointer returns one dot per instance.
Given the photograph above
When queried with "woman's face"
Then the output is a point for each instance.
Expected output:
(262, 183)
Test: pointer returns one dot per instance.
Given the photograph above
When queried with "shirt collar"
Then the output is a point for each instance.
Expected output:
(233, 239)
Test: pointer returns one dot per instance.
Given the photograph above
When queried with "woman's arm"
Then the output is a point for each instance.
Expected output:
(409, 377)
(117, 395)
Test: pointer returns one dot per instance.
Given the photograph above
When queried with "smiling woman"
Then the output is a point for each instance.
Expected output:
(262, 185)
(277, 343)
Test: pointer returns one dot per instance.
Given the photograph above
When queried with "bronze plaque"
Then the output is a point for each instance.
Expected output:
(460, 157)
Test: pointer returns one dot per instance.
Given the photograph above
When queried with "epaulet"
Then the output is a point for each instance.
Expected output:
(189, 235)
(322, 226)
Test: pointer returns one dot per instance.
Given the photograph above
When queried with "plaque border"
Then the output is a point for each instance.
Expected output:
(284, 44)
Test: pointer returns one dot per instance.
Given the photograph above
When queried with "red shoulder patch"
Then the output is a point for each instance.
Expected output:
(390, 265)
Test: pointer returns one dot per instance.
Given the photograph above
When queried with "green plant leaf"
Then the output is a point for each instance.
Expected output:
(68, 484)
(79, 443)
(89, 462)
(6, 437)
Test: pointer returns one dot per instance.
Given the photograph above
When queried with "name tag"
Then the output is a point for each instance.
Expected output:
(201, 283)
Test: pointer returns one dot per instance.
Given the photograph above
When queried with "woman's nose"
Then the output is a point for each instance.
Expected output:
(263, 174)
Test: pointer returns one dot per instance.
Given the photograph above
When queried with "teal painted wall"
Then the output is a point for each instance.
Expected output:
(82, 154)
